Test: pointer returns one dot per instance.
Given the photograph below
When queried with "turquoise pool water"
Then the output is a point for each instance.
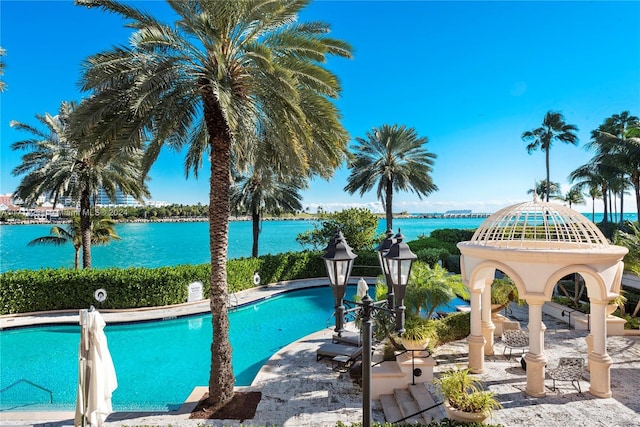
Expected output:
(157, 363)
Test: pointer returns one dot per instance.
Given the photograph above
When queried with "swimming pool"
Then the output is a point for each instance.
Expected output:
(157, 363)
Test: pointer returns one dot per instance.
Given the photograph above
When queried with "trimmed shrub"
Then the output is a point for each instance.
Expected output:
(431, 256)
(454, 327)
(24, 291)
(452, 235)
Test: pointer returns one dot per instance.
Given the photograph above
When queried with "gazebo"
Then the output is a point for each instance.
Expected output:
(536, 244)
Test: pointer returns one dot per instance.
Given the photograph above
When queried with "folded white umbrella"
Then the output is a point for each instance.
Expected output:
(362, 288)
(96, 373)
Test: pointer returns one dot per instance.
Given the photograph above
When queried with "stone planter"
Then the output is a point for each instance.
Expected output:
(415, 345)
(465, 417)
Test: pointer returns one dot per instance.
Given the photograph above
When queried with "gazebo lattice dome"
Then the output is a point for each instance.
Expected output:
(539, 225)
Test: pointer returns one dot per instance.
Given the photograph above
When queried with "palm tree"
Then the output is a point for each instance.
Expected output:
(574, 196)
(552, 190)
(553, 128)
(225, 72)
(431, 287)
(3, 85)
(391, 158)
(629, 237)
(102, 232)
(265, 191)
(56, 165)
(617, 142)
(595, 177)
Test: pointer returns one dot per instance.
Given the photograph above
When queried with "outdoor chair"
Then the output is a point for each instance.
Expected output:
(514, 339)
(348, 338)
(569, 369)
(342, 356)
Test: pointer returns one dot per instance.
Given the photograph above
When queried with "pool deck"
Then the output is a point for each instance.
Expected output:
(298, 391)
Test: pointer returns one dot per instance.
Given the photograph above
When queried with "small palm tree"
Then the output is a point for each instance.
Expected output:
(265, 191)
(542, 188)
(574, 196)
(391, 158)
(553, 128)
(430, 287)
(102, 233)
(594, 177)
(57, 165)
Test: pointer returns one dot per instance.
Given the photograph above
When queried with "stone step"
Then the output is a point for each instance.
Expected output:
(390, 407)
(408, 406)
(425, 400)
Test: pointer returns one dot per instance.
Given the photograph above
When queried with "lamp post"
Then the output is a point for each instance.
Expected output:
(367, 333)
(338, 259)
(399, 260)
(382, 250)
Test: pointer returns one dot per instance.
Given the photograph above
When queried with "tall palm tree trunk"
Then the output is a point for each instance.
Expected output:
(610, 206)
(255, 220)
(621, 206)
(605, 214)
(635, 179)
(221, 378)
(546, 153)
(85, 228)
(76, 260)
(388, 204)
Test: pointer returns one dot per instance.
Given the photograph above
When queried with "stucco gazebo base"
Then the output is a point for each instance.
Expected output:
(476, 354)
(488, 330)
(535, 374)
(600, 369)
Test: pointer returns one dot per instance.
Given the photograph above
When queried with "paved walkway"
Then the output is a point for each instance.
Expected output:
(298, 391)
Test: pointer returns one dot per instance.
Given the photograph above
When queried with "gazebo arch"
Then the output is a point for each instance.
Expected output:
(536, 244)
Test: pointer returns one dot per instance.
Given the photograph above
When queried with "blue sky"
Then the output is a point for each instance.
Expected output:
(470, 76)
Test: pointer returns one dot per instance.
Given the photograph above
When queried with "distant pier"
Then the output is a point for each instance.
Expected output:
(454, 214)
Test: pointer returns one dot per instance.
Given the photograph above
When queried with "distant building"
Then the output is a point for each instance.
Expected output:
(45, 212)
(156, 204)
(121, 199)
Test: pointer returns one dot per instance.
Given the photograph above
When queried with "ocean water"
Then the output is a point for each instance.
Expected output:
(169, 243)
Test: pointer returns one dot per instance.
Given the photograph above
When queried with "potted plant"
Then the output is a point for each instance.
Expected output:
(418, 332)
(465, 401)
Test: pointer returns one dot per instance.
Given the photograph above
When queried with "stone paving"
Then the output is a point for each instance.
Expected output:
(564, 407)
(299, 391)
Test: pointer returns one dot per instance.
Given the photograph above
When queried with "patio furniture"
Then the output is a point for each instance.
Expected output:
(514, 339)
(342, 356)
(348, 338)
(569, 369)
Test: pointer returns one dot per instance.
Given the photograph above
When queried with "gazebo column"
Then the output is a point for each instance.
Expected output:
(475, 338)
(599, 361)
(487, 324)
(535, 358)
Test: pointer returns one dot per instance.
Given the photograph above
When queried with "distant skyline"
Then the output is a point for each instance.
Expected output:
(470, 76)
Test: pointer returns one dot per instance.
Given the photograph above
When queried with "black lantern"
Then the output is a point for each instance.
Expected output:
(382, 250)
(399, 260)
(338, 259)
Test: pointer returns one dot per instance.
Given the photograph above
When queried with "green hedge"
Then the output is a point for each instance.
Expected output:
(24, 291)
